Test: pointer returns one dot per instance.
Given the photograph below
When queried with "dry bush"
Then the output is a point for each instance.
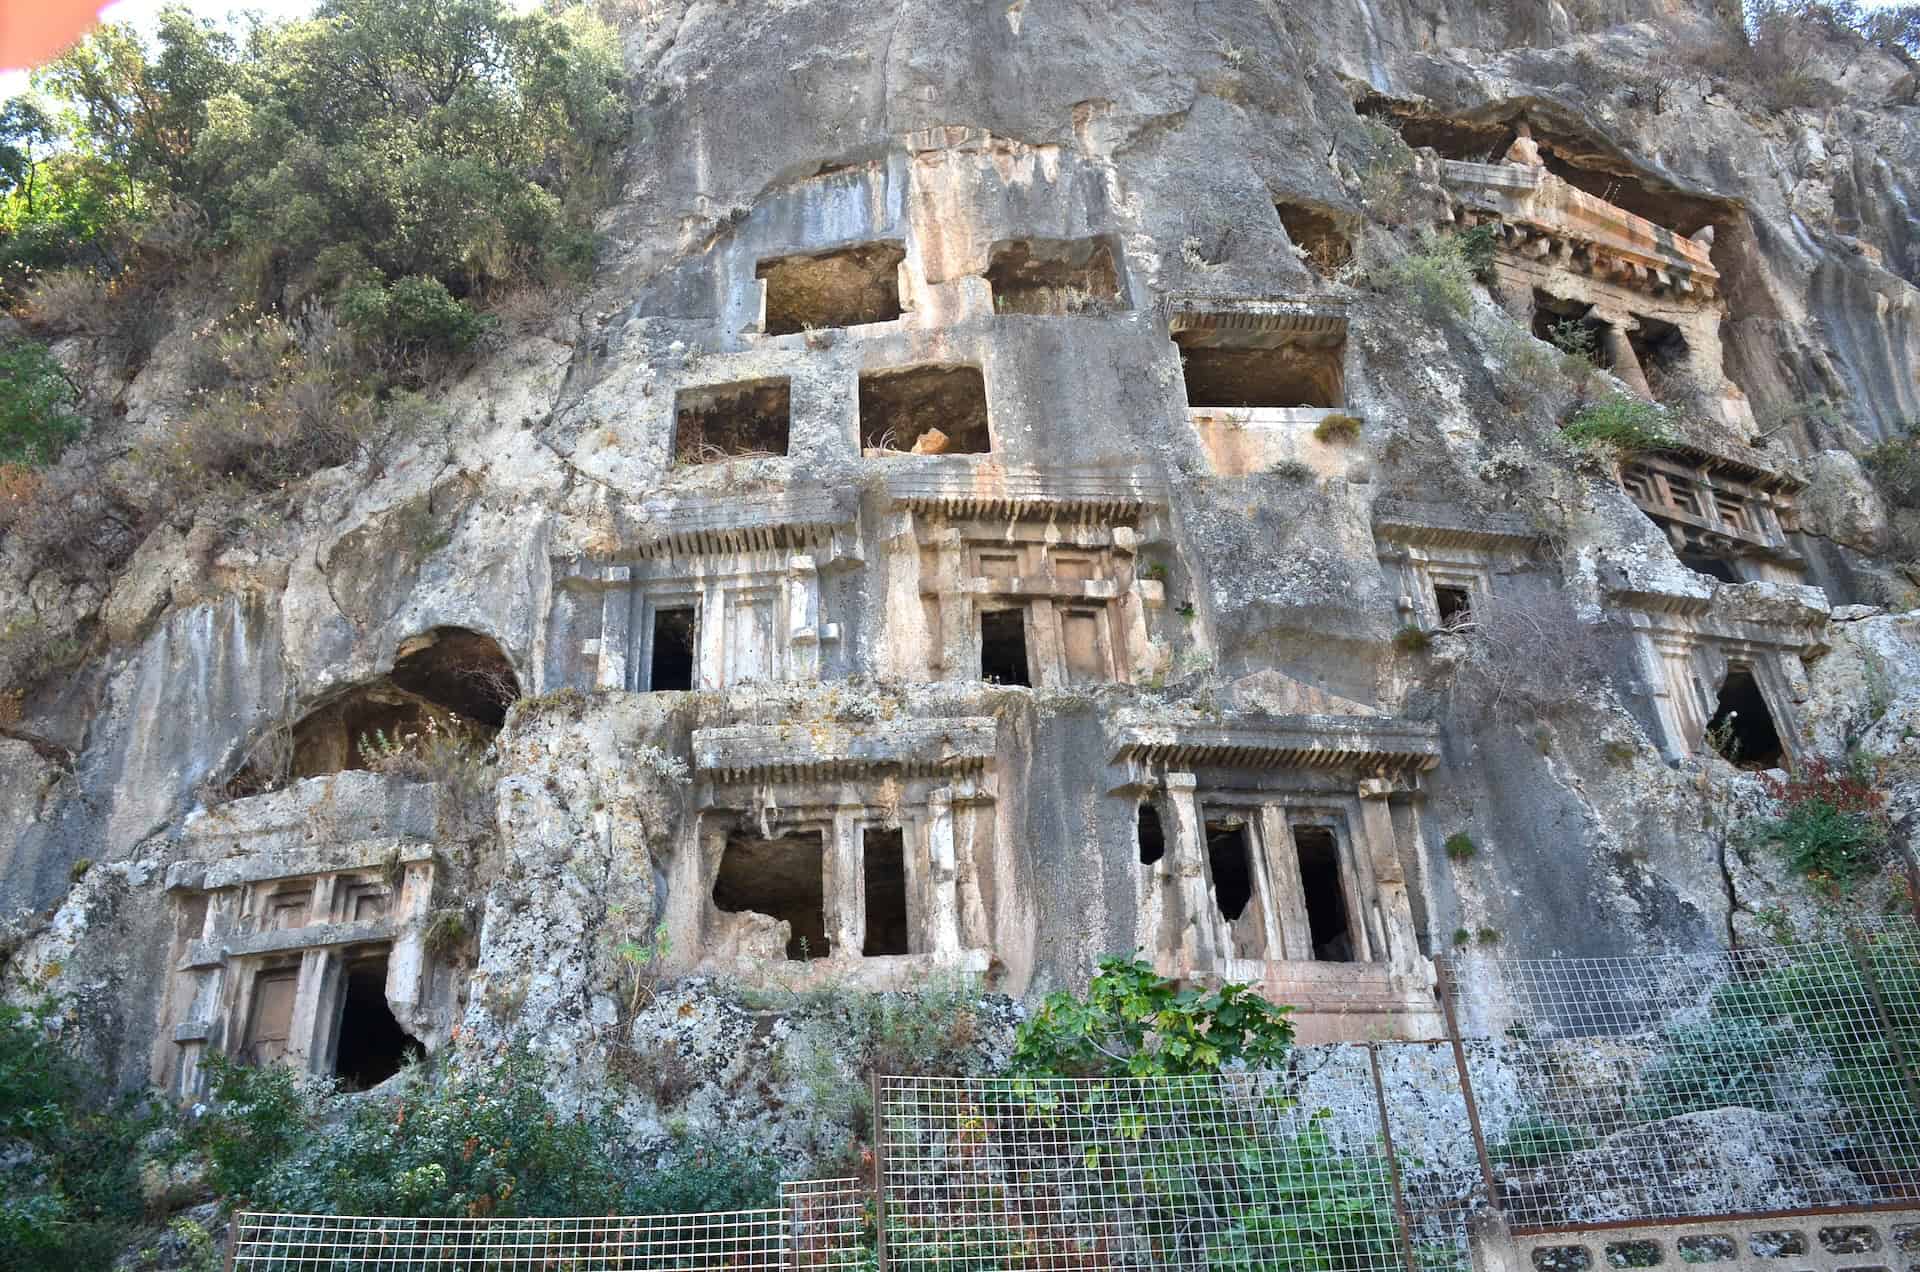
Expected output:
(69, 302)
(1523, 656)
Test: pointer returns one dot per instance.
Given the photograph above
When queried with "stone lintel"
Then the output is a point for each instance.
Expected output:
(341, 807)
(1258, 323)
(1359, 743)
(262, 867)
(285, 940)
(1440, 526)
(193, 1031)
(965, 489)
(715, 525)
(811, 751)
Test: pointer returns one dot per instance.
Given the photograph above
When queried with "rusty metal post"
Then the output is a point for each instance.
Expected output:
(879, 1174)
(233, 1240)
(1445, 968)
(1864, 957)
(1393, 1160)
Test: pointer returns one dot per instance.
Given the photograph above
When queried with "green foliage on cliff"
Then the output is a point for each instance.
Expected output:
(69, 1172)
(377, 146)
(478, 1138)
(1135, 1021)
(1619, 424)
(36, 405)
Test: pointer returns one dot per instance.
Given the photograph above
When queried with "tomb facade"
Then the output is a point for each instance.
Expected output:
(839, 852)
(1285, 853)
(1023, 576)
(1441, 564)
(299, 934)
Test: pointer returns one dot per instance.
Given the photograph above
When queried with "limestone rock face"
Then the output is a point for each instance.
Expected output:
(1022, 484)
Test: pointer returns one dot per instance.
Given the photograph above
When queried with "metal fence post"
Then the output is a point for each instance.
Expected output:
(1864, 957)
(1444, 966)
(879, 1174)
(1393, 1160)
(233, 1239)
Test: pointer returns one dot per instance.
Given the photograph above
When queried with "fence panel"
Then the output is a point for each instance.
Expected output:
(817, 1227)
(1763, 1080)
(1221, 1172)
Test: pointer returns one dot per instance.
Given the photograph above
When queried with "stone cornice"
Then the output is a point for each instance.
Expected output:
(1363, 744)
(1273, 322)
(717, 525)
(1444, 526)
(1034, 494)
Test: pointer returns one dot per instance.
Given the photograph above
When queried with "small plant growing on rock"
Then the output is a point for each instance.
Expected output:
(1620, 426)
(1290, 470)
(1438, 277)
(1487, 936)
(1462, 936)
(1413, 639)
(1460, 846)
(1833, 822)
(1336, 428)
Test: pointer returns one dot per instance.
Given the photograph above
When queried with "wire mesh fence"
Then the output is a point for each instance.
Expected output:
(1750, 1081)
(1223, 1171)
(817, 1226)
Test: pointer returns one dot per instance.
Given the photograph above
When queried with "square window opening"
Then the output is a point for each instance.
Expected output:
(1742, 728)
(747, 420)
(1326, 896)
(849, 287)
(1003, 647)
(1317, 235)
(1283, 375)
(883, 866)
(938, 410)
(1149, 835)
(1455, 605)
(370, 1046)
(784, 879)
(672, 661)
(1230, 863)
(1056, 277)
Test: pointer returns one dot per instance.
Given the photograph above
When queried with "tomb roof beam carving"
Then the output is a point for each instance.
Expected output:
(285, 940)
(291, 863)
(1438, 526)
(1258, 323)
(1357, 743)
(820, 522)
(812, 751)
(983, 491)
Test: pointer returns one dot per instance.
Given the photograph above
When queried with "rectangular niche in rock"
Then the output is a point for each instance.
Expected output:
(930, 410)
(1258, 375)
(848, 287)
(1003, 647)
(673, 649)
(1056, 277)
(782, 879)
(1324, 894)
(744, 420)
(1317, 235)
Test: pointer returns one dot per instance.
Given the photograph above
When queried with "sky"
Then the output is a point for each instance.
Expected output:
(144, 15)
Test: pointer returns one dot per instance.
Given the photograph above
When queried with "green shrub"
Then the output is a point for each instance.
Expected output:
(1833, 823)
(1438, 277)
(1535, 1141)
(1413, 639)
(704, 1174)
(36, 405)
(1477, 247)
(1135, 1021)
(412, 314)
(1460, 846)
(1620, 424)
(70, 1171)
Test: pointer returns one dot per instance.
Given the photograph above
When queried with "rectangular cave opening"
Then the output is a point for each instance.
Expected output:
(1003, 647)
(1742, 728)
(931, 410)
(1317, 235)
(1455, 605)
(1326, 897)
(671, 655)
(1054, 277)
(784, 879)
(1712, 566)
(1285, 375)
(1148, 834)
(369, 1044)
(847, 287)
(883, 868)
(1564, 325)
(745, 420)
(1662, 351)
(1230, 863)
(270, 1016)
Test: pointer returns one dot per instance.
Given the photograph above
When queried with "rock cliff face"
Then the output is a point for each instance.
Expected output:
(1010, 496)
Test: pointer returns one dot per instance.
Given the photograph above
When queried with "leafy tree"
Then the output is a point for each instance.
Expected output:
(69, 1179)
(1135, 1021)
(36, 405)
